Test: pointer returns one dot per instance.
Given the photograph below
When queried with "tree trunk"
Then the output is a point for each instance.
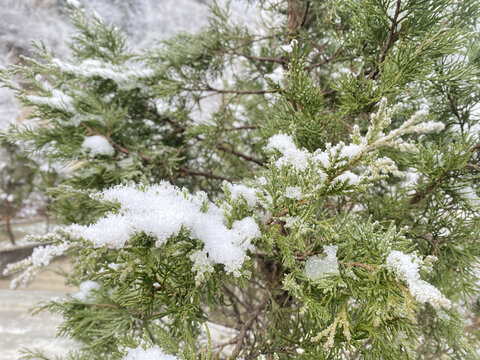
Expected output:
(7, 222)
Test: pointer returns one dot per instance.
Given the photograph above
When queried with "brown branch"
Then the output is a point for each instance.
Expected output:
(232, 91)
(292, 17)
(238, 340)
(255, 40)
(261, 58)
(202, 173)
(453, 106)
(244, 127)
(305, 14)
(120, 148)
(240, 155)
(392, 37)
(324, 61)
(358, 264)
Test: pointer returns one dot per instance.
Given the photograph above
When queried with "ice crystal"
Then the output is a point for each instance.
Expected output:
(293, 192)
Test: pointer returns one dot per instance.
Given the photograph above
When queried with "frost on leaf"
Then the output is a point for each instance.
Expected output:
(317, 268)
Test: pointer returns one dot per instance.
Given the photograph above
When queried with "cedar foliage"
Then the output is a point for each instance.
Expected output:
(308, 120)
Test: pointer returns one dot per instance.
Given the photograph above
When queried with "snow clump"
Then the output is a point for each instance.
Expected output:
(317, 268)
(154, 353)
(97, 145)
(406, 267)
(85, 290)
(162, 211)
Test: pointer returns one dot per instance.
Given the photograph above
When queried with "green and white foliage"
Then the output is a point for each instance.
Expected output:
(352, 231)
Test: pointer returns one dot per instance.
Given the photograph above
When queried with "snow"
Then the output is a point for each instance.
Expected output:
(292, 156)
(470, 196)
(41, 257)
(153, 353)
(97, 145)
(126, 77)
(239, 191)
(74, 3)
(162, 211)
(317, 268)
(293, 192)
(352, 178)
(277, 75)
(58, 100)
(85, 290)
(406, 267)
(428, 127)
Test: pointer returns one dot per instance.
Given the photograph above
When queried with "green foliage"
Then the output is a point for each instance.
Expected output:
(367, 212)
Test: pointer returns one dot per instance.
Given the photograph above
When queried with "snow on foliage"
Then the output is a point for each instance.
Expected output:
(317, 268)
(97, 145)
(162, 211)
(239, 191)
(126, 77)
(153, 353)
(406, 267)
(293, 192)
(41, 257)
(342, 156)
(85, 290)
(58, 100)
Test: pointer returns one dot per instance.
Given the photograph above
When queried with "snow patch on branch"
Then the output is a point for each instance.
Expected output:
(97, 145)
(162, 211)
(239, 191)
(41, 257)
(317, 268)
(153, 353)
(86, 289)
(125, 76)
(406, 267)
(59, 100)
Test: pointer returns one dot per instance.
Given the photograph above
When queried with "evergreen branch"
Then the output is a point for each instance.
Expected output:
(325, 60)
(119, 147)
(244, 127)
(421, 194)
(252, 41)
